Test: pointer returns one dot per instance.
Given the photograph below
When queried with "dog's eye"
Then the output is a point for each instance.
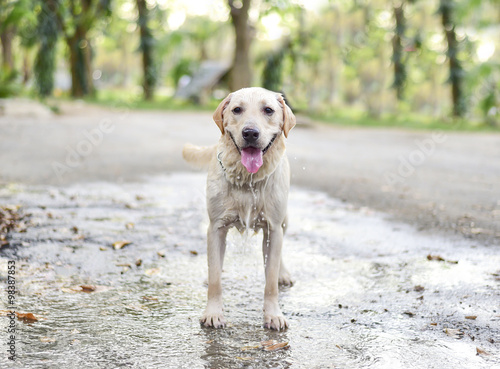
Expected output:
(237, 110)
(268, 111)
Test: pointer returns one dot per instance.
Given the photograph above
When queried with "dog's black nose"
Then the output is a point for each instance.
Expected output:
(250, 135)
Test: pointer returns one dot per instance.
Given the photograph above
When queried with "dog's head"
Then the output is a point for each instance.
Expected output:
(254, 118)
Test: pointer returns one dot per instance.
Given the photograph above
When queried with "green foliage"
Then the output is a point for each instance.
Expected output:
(185, 67)
(8, 84)
(272, 76)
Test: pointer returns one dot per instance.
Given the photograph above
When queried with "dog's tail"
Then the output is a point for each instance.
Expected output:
(199, 156)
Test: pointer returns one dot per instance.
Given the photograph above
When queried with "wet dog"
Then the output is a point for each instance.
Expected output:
(247, 188)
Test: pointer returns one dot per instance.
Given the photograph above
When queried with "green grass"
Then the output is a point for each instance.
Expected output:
(129, 99)
(120, 98)
(346, 117)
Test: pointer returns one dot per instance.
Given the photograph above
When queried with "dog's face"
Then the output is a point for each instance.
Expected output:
(254, 118)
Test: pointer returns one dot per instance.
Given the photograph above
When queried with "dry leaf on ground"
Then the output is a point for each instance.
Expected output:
(152, 271)
(439, 258)
(120, 244)
(85, 288)
(277, 346)
(47, 339)
(27, 317)
(481, 352)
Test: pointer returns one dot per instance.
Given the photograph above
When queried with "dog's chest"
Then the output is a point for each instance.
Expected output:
(248, 208)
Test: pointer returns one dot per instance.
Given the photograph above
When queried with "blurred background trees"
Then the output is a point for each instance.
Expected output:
(422, 59)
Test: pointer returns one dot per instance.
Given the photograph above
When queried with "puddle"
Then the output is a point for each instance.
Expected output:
(365, 294)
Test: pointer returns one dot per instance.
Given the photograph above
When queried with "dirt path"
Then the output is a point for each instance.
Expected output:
(438, 181)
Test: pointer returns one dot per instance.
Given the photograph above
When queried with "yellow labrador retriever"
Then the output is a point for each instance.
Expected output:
(247, 188)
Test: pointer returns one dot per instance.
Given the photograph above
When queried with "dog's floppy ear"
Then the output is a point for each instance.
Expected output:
(288, 116)
(219, 113)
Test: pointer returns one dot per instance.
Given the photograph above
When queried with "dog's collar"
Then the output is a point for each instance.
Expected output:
(234, 141)
(220, 162)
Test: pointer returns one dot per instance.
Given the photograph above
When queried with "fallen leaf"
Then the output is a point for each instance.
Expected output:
(126, 265)
(409, 313)
(130, 225)
(454, 333)
(268, 343)
(85, 289)
(471, 317)
(246, 348)
(75, 229)
(418, 288)
(120, 244)
(26, 317)
(152, 271)
(434, 257)
(47, 339)
(150, 298)
(277, 346)
(88, 288)
(103, 248)
(193, 252)
(481, 352)
(439, 258)
(138, 262)
(161, 254)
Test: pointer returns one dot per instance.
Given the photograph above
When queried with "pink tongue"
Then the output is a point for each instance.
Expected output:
(251, 158)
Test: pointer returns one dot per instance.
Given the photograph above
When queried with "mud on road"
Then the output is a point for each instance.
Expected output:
(369, 292)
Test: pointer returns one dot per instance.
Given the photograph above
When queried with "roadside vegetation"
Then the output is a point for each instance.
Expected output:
(405, 63)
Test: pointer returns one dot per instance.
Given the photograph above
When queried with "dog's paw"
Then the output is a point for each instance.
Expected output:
(276, 322)
(273, 317)
(285, 279)
(214, 320)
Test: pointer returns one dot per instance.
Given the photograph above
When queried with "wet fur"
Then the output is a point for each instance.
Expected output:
(237, 198)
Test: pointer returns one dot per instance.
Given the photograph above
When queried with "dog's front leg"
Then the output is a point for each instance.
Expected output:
(216, 247)
(273, 241)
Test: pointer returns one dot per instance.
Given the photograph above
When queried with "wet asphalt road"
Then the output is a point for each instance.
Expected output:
(366, 294)
(438, 181)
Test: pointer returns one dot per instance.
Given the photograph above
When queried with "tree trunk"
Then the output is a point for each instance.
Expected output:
(241, 73)
(7, 58)
(45, 61)
(80, 63)
(456, 71)
(146, 46)
(397, 51)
